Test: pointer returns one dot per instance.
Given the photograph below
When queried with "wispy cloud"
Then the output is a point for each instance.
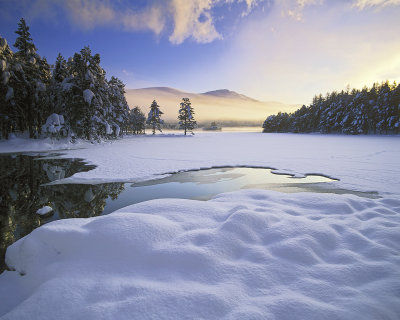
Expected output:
(88, 14)
(294, 8)
(190, 19)
(151, 18)
(365, 4)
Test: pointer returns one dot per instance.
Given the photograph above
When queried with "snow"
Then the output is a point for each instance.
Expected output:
(6, 77)
(117, 130)
(89, 76)
(40, 86)
(3, 65)
(9, 94)
(54, 123)
(44, 210)
(88, 95)
(363, 163)
(108, 128)
(20, 143)
(66, 85)
(55, 119)
(251, 254)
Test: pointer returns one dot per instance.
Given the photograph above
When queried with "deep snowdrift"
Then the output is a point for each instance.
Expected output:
(244, 255)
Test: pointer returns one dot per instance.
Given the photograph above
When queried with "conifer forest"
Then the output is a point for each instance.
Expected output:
(373, 110)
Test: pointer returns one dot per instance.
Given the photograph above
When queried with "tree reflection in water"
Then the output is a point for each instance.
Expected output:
(22, 194)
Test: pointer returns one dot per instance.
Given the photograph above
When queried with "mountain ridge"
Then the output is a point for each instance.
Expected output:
(225, 93)
(221, 104)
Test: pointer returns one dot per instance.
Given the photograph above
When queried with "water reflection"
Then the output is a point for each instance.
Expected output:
(22, 193)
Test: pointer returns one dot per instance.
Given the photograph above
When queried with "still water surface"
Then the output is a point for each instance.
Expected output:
(23, 180)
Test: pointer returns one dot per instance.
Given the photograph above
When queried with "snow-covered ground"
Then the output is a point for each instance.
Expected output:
(363, 163)
(252, 254)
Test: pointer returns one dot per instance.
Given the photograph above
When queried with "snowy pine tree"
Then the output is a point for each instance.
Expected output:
(60, 71)
(56, 124)
(32, 73)
(375, 110)
(86, 95)
(186, 116)
(120, 110)
(137, 120)
(8, 112)
(74, 99)
(154, 117)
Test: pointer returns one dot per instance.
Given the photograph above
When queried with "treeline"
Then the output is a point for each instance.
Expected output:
(72, 98)
(373, 110)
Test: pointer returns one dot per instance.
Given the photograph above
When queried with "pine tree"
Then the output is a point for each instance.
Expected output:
(120, 110)
(154, 117)
(24, 41)
(375, 110)
(186, 116)
(75, 98)
(87, 93)
(8, 114)
(33, 74)
(59, 85)
(137, 120)
(60, 71)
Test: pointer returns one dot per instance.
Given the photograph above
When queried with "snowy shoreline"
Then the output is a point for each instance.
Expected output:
(361, 163)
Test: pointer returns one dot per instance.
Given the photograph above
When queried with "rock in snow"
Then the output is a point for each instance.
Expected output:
(251, 254)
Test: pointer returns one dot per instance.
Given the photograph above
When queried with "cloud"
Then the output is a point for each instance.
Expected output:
(274, 57)
(193, 19)
(364, 4)
(190, 19)
(294, 8)
(89, 13)
(151, 18)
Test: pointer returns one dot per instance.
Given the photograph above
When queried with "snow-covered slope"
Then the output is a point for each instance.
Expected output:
(213, 105)
(244, 255)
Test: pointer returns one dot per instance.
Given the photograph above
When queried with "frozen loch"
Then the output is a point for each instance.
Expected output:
(249, 254)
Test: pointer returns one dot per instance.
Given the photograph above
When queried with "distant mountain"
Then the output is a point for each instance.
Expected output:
(167, 90)
(218, 105)
(228, 94)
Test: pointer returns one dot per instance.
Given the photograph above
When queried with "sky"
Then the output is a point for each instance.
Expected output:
(270, 50)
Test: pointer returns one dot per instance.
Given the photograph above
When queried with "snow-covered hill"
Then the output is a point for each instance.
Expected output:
(209, 106)
(225, 93)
